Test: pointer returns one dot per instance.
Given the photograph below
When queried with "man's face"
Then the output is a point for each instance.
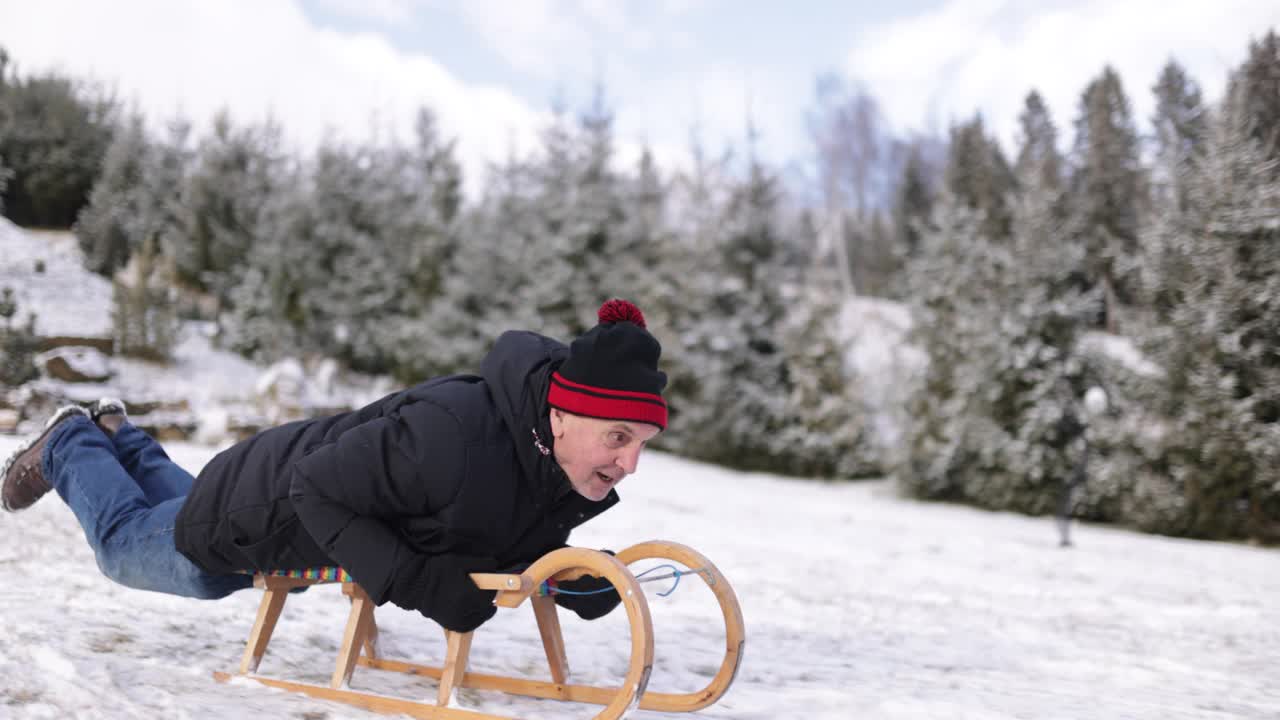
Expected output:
(596, 454)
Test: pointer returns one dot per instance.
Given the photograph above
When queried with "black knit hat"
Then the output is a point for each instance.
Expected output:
(612, 371)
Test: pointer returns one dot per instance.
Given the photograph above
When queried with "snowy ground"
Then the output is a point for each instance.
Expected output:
(857, 604)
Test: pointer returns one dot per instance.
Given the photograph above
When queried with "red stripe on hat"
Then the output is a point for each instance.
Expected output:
(579, 402)
(558, 378)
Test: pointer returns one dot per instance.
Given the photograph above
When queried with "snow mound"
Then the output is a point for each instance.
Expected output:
(48, 278)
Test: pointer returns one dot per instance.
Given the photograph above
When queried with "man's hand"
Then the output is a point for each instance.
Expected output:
(601, 599)
(454, 600)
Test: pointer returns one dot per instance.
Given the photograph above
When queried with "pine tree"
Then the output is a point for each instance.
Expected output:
(233, 173)
(1180, 139)
(1107, 193)
(352, 256)
(913, 202)
(143, 315)
(1180, 135)
(111, 226)
(978, 176)
(54, 132)
(1221, 388)
(1039, 164)
(995, 420)
(694, 335)
(772, 393)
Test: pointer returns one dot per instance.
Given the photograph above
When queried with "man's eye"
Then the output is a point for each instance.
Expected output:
(617, 438)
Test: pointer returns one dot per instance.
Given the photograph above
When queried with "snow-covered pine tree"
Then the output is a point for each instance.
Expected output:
(770, 389)
(944, 435)
(518, 265)
(274, 310)
(232, 175)
(1107, 194)
(978, 176)
(1180, 142)
(113, 224)
(995, 421)
(1221, 353)
(423, 218)
(482, 289)
(643, 264)
(691, 342)
(1180, 137)
(604, 257)
(913, 201)
(1039, 165)
(352, 256)
(403, 234)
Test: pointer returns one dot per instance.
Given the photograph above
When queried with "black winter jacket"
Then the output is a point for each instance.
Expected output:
(453, 465)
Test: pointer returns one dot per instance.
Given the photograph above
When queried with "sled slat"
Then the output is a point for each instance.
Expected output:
(369, 701)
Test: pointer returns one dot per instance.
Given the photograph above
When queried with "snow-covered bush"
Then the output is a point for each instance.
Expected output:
(18, 343)
(144, 318)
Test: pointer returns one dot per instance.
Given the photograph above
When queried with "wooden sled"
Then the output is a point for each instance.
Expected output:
(360, 640)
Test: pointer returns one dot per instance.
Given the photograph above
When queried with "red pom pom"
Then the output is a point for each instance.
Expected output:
(620, 311)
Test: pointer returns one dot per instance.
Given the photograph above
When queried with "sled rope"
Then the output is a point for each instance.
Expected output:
(550, 587)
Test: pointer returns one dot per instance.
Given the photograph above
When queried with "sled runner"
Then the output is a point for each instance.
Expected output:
(535, 584)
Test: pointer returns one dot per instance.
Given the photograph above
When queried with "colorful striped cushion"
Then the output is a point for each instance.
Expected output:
(331, 574)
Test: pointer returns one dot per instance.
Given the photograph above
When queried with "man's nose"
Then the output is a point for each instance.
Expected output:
(629, 459)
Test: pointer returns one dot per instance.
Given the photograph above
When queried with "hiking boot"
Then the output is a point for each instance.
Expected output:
(22, 480)
(109, 413)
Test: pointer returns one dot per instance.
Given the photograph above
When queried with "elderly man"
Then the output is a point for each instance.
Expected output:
(460, 474)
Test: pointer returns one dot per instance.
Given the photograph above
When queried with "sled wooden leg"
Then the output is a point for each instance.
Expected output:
(544, 609)
(358, 624)
(371, 637)
(268, 613)
(455, 665)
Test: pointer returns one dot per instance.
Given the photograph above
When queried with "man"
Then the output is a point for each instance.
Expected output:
(409, 495)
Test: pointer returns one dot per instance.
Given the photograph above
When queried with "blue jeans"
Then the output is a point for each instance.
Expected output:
(126, 493)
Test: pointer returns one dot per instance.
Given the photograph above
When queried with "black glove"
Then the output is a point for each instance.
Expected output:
(452, 598)
(593, 606)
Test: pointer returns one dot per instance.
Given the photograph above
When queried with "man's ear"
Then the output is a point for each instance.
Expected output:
(557, 422)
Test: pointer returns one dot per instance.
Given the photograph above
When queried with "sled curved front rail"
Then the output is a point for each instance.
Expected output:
(734, 628)
(513, 589)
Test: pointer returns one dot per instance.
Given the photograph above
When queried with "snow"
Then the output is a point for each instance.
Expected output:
(1121, 350)
(86, 361)
(1095, 400)
(880, 359)
(857, 604)
(67, 300)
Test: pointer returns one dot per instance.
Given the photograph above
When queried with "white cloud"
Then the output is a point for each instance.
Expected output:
(972, 55)
(200, 57)
(385, 12)
(553, 39)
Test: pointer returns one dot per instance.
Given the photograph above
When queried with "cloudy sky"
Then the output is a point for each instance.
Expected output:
(493, 69)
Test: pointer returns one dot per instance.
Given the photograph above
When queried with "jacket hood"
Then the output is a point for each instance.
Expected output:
(517, 372)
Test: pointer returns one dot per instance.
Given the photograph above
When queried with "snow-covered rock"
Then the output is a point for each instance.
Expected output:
(75, 364)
